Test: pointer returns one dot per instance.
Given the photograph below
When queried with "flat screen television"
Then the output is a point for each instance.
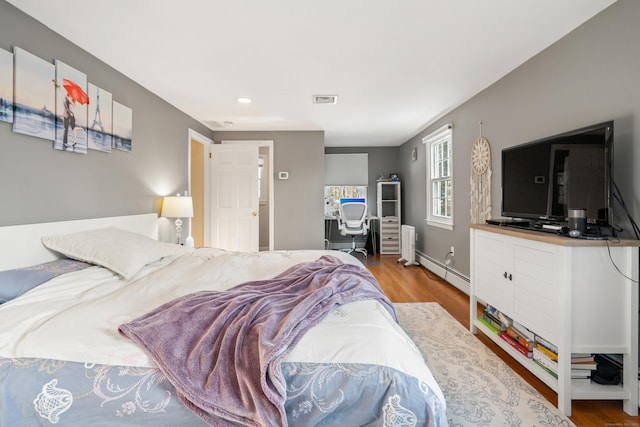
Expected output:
(542, 179)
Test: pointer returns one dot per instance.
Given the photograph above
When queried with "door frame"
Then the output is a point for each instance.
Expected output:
(271, 202)
(198, 137)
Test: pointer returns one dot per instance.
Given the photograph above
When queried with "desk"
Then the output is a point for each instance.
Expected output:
(331, 233)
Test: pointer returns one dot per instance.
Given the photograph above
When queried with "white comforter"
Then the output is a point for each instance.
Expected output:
(75, 317)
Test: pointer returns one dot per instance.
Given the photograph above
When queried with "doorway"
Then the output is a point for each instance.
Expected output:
(266, 193)
(199, 176)
(200, 188)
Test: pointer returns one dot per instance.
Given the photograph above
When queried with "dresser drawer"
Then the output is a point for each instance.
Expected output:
(389, 247)
(389, 225)
(389, 220)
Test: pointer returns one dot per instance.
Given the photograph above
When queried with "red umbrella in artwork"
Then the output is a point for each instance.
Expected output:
(75, 91)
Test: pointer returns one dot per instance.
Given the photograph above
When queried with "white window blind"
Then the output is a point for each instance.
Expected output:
(346, 169)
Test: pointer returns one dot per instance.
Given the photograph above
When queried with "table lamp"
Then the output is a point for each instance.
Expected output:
(178, 207)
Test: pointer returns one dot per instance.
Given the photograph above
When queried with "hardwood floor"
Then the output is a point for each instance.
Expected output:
(417, 284)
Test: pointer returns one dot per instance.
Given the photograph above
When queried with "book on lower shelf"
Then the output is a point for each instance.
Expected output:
(523, 331)
(546, 344)
(489, 325)
(515, 344)
(492, 315)
(584, 366)
(545, 362)
(583, 362)
(552, 355)
(582, 358)
(526, 343)
(549, 371)
(581, 373)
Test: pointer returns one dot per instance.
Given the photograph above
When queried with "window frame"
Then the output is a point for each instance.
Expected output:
(263, 182)
(436, 138)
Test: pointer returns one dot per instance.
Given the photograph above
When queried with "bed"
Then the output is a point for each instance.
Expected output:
(101, 324)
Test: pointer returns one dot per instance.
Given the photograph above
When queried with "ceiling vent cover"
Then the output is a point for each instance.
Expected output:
(325, 99)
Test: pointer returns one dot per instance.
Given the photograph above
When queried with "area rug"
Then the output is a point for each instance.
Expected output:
(480, 389)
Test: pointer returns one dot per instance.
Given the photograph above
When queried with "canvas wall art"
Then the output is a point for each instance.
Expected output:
(6, 86)
(99, 132)
(122, 127)
(71, 109)
(34, 95)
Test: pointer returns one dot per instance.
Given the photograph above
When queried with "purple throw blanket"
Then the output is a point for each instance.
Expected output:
(222, 350)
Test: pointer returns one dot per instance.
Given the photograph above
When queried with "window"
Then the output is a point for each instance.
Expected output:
(440, 177)
(333, 194)
(262, 181)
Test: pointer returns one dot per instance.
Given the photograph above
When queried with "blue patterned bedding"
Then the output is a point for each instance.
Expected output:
(53, 392)
(50, 392)
(332, 394)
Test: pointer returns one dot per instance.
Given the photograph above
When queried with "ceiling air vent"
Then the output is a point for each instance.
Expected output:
(325, 99)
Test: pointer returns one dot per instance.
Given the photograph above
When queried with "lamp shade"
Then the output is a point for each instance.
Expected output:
(177, 207)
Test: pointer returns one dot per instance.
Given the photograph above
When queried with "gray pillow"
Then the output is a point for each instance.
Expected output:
(14, 283)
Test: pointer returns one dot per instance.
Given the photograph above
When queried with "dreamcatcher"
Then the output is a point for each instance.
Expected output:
(480, 180)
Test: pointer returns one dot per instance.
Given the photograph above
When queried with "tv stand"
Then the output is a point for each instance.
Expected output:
(594, 232)
(510, 222)
(566, 291)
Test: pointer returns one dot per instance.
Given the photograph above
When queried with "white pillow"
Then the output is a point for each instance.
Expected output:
(122, 252)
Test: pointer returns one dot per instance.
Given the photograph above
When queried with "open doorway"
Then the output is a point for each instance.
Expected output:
(199, 188)
(199, 176)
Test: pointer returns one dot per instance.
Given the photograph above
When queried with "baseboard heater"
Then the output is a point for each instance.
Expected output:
(408, 245)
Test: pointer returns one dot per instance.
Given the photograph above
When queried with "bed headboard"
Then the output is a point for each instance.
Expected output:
(21, 245)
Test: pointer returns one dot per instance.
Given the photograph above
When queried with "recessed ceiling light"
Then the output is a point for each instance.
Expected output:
(244, 100)
(227, 124)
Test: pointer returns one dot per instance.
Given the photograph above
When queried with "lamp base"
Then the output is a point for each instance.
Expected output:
(178, 229)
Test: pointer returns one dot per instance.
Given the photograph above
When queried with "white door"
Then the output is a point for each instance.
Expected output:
(234, 197)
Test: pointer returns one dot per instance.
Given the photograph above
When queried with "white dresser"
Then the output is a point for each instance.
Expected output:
(578, 294)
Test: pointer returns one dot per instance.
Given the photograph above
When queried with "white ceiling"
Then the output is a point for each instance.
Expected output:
(396, 66)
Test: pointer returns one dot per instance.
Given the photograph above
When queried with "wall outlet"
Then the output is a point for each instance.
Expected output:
(453, 252)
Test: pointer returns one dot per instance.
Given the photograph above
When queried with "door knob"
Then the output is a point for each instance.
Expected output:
(254, 213)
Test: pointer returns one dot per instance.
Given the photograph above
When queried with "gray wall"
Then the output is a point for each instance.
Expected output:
(590, 76)
(40, 184)
(298, 208)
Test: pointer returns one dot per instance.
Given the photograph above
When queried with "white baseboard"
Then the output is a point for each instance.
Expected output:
(453, 277)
